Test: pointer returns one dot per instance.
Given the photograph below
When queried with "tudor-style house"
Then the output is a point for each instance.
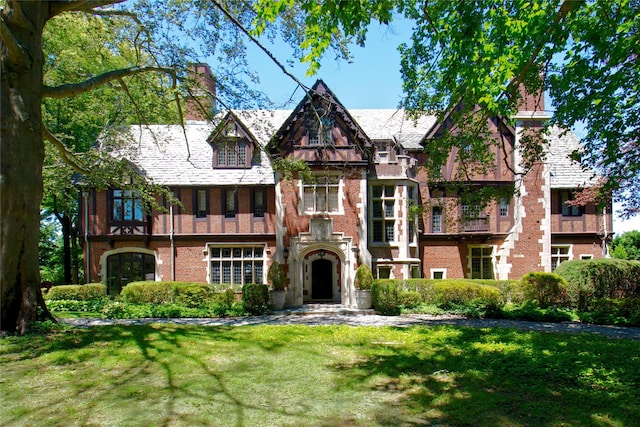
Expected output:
(367, 201)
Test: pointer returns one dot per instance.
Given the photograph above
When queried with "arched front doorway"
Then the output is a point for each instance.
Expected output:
(322, 280)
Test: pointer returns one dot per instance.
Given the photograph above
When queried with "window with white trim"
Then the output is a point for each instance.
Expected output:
(586, 256)
(322, 194)
(236, 265)
(481, 259)
(559, 253)
(383, 217)
(383, 272)
(438, 273)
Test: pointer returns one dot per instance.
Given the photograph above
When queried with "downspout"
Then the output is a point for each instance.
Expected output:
(87, 274)
(173, 245)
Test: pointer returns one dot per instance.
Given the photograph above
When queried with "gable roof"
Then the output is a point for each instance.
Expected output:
(322, 91)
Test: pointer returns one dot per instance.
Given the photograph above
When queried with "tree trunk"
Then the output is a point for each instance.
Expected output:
(21, 161)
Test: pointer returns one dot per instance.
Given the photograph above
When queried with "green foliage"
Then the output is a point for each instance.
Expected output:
(276, 277)
(626, 246)
(183, 293)
(530, 310)
(410, 300)
(610, 311)
(57, 305)
(89, 292)
(292, 169)
(599, 279)
(255, 298)
(364, 278)
(547, 289)
(452, 292)
(386, 296)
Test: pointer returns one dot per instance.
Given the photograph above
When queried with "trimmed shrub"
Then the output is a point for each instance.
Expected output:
(76, 305)
(276, 277)
(364, 278)
(193, 295)
(455, 292)
(410, 299)
(386, 297)
(547, 289)
(255, 298)
(88, 292)
(590, 280)
(184, 293)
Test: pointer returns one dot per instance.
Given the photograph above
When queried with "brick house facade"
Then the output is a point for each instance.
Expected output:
(368, 201)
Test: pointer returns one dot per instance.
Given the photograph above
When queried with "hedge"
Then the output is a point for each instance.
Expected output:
(591, 280)
(547, 289)
(183, 293)
(88, 292)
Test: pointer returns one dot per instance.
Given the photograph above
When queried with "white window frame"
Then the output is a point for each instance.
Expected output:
(314, 186)
(387, 218)
(482, 256)
(433, 272)
(568, 256)
(586, 256)
(222, 255)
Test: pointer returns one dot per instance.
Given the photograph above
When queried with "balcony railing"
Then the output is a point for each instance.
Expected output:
(475, 224)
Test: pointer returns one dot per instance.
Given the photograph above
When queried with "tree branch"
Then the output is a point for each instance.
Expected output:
(67, 156)
(14, 50)
(70, 90)
(58, 7)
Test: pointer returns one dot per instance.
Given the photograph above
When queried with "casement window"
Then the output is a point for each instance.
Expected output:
(383, 215)
(201, 203)
(504, 207)
(481, 260)
(322, 194)
(126, 205)
(559, 253)
(567, 209)
(474, 218)
(230, 203)
(126, 267)
(319, 125)
(232, 153)
(236, 265)
(436, 219)
(258, 202)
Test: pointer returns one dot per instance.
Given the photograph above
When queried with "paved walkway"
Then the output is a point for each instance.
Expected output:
(319, 314)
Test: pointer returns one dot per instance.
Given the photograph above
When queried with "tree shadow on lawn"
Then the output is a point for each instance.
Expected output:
(489, 377)
(134, 381)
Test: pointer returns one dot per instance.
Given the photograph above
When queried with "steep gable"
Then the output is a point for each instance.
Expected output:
(320, 130)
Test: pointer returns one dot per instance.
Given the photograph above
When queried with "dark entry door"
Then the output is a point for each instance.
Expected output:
(321, 279)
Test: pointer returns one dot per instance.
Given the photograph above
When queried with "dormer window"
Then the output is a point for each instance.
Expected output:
(232, 153)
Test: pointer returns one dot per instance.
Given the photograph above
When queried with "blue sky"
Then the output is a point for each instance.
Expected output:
(372, 80)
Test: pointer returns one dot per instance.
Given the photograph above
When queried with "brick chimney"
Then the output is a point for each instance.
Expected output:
(201, 103)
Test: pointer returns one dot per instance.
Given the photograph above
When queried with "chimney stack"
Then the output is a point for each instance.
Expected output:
(201, 104)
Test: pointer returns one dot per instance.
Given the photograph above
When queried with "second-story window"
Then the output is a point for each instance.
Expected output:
(383, 202)
(567, 208)
(230, 203)
(258, 202)
(319, 126)
(322, 195)
(201, 203)
(504, 207)
(127, 206)
(436, 219)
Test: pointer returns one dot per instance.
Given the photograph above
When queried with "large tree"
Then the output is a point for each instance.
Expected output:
(165, 37)
(464, 54)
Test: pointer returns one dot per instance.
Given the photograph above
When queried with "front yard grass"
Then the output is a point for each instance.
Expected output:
(317, 376)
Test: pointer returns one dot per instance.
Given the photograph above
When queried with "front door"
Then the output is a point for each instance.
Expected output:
(321, 279)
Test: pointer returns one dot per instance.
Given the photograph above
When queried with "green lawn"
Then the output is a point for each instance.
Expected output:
(167, 375)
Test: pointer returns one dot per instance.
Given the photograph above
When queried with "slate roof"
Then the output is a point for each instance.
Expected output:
(565, 172)
(163, 153)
